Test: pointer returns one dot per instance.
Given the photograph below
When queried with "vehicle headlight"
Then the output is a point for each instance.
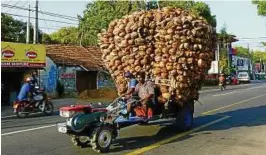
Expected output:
(67, 113)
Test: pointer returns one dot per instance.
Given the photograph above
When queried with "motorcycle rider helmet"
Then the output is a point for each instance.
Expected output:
(28, 79)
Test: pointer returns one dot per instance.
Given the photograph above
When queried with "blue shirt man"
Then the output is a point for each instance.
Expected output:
(23, 93)
(132, 82)
(25, 89)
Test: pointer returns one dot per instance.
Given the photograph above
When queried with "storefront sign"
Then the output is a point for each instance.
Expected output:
(22, 55)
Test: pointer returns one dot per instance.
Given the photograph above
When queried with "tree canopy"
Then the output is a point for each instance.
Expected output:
(243, 52)
(261, 6)
(65, 35)
(13, 30)
(98, 14)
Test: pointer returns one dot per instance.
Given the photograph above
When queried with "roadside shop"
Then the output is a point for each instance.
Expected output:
(18, 61)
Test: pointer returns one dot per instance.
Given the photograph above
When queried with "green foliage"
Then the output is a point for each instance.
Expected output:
(261, 6)
(66, 35)
(223, 61)
(243, 52)
(99, 14)
(259, 56)
(60, 88)
(203, 10)
(263, 44)
(13, 30)
(46, 39)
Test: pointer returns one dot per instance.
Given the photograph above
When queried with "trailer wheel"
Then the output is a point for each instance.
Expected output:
(80, 141)
(184, 119)
(101, 139)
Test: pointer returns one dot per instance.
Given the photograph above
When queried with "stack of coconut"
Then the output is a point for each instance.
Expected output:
(168, 43)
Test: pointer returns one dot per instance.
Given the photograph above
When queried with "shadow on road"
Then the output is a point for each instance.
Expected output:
(249, 117)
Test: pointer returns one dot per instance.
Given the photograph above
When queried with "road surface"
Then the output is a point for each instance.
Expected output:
(229, 122)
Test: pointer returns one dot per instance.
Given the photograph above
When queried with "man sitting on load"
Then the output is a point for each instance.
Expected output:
(145, 90)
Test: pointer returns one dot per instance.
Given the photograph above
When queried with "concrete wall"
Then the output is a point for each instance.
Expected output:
(67, 76)
(48, 76)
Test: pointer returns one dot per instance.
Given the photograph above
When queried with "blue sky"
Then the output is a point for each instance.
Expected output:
(240, 17)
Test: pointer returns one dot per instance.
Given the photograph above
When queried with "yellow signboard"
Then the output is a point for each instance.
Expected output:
(22, 55)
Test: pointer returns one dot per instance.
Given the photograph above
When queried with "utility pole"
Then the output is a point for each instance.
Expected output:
(35, 37)
(228, 56)
(251, 63)
(28, 28)
(217, 57)
(81, 37)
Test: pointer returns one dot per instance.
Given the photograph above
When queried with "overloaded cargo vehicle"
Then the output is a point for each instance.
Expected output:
(173, 47)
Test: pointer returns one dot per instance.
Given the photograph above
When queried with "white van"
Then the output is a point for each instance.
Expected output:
(243, 77)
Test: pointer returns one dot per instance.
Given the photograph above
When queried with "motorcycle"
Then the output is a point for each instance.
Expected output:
(38, 103)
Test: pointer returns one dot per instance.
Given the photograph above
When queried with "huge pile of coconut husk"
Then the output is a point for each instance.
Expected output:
(166, 43)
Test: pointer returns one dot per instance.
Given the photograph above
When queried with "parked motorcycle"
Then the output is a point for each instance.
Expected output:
(38, 103)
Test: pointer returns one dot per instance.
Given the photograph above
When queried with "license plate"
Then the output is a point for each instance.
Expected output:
(15, 106)
(62, 129)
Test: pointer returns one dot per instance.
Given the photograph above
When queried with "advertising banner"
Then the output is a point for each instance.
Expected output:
(214, 68)
(240, 63)
(22, 55)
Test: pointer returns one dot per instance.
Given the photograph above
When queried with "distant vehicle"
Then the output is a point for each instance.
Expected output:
(243, 77)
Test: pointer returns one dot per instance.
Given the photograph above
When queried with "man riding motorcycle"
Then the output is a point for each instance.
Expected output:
(222, 82)
(26, 90)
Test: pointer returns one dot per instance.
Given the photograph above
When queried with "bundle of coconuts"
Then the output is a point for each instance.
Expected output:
(169, 43)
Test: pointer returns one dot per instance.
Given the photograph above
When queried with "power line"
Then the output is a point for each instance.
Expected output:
(40, 18)
(48, 28)
(42, 12)
(13, 4)
(253, 38)
(22, 6)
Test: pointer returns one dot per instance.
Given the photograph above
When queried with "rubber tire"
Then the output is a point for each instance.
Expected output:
(76, 141)
(52, 106)
(21, 115)
(184, 119)
(95, 137)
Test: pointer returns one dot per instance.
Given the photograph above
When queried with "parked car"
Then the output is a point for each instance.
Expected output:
(243, 77)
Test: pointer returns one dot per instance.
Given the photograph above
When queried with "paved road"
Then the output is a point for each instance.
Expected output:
(229, 122)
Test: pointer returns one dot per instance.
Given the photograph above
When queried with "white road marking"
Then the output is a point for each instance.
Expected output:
(255, 87)
(238, 86)
(225, 93)
(14, 132)
(238, 91)
(208, 90)
(16, 115)
(8, 116)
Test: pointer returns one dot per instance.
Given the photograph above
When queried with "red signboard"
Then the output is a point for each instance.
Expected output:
(67, 75)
